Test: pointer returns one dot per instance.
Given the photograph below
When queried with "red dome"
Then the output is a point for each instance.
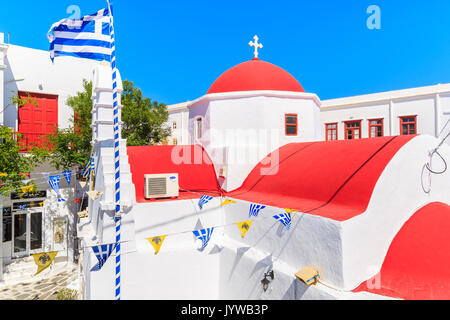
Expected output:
(255, 75)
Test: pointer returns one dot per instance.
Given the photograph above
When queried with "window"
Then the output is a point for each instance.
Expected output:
(331, 131)
(174, 141)
(408, 125)
(174, 125)
(375, 128)
(352, 129)
(290, 123)
(199, 128)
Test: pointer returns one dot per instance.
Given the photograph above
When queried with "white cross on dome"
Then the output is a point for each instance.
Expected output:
(256, 45)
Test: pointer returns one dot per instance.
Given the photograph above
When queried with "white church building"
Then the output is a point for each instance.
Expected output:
(298, 198)
(308, 199)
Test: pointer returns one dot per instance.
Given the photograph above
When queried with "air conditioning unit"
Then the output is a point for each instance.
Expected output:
(161, 185)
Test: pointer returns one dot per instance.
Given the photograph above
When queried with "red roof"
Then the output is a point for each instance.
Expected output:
(333, 179)
(196, 177)
(417, 265)
(255, 75)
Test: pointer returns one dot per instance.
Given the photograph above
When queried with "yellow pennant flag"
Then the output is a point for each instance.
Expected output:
(156, 242)
(244, 226)
(227, 201)
(41, 203)
(93, 194)
(290, 210)
(28, 188)
(44, 260)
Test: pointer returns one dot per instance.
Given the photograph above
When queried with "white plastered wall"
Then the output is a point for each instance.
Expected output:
(397, 195)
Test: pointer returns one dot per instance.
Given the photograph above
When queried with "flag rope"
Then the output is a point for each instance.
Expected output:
(117, 217)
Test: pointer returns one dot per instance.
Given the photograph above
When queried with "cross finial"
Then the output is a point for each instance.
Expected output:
(256, 45)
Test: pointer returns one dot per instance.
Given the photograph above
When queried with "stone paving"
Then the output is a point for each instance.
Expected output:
(43, 289)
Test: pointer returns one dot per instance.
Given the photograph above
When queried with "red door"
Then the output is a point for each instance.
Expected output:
(37, 121)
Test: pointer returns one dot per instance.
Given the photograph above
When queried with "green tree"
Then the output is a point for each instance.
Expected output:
(143, 124)
(72, 146)
(143, 118)
(14, 163)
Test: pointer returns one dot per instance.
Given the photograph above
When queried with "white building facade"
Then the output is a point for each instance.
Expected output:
(39, 223)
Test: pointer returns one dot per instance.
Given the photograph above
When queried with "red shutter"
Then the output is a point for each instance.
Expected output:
(37, 121)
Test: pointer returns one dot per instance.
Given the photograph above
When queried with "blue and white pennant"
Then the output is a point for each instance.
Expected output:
(102, 252)
(204, 235)
(254, 209)
(68, 175)
(203, 200)
(54, 183)
(285, 219)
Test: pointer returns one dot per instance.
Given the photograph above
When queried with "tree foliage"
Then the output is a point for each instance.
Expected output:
(14, 164)
(143, 119)
(143, 124)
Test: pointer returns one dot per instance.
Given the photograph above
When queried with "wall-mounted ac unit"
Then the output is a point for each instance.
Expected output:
(161, 185)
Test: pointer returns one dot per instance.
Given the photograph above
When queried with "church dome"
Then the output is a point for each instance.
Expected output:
(255, 75)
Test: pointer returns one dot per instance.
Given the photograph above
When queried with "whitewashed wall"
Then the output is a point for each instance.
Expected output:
(63, 78)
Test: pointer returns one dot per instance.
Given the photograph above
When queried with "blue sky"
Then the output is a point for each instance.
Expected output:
(174, 50)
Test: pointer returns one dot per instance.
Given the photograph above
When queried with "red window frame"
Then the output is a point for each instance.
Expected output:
(199, 123)
(414, 122)
(352, 129)
(286, 125)
(327, 129)
(377, 125)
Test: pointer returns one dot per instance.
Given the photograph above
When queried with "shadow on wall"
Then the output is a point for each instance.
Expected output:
(10, 112)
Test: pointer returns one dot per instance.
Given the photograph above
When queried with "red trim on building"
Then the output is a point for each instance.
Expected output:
(417, 264)
(327, 129)
(376, 126)
(286, 125)
(408, 122)
(352, 129)
(333, 179)
(196, 174)
(255, 75)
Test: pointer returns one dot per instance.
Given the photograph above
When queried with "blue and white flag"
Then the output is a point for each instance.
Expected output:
(87, 37)
(254, 209)
(285, 219)
(54, 183)
(88, 167)
(23, 206)
(203, 200)
(204, 235)
(102, 252)
(68, 175)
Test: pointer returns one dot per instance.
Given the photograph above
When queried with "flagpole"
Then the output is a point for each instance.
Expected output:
(117, 217)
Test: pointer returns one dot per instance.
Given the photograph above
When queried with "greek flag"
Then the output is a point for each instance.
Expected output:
(203, 200)
(67, 174)
(54, 183)
(87, 37)
(285, 219)
(23, 206)
(254, 209)
(102, 252)
(204, 235)
(88, 168)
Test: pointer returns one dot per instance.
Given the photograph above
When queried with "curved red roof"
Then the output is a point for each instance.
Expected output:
(196, 173)
(417, 265)
(255, 75)
(333, 179)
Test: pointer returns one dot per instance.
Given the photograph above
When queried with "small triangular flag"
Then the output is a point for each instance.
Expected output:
(156, 242)
(44, 260)
(93, 194)
(41, 203)
(227, 201)
(78, 200)
(83, 184)
(244, 226)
